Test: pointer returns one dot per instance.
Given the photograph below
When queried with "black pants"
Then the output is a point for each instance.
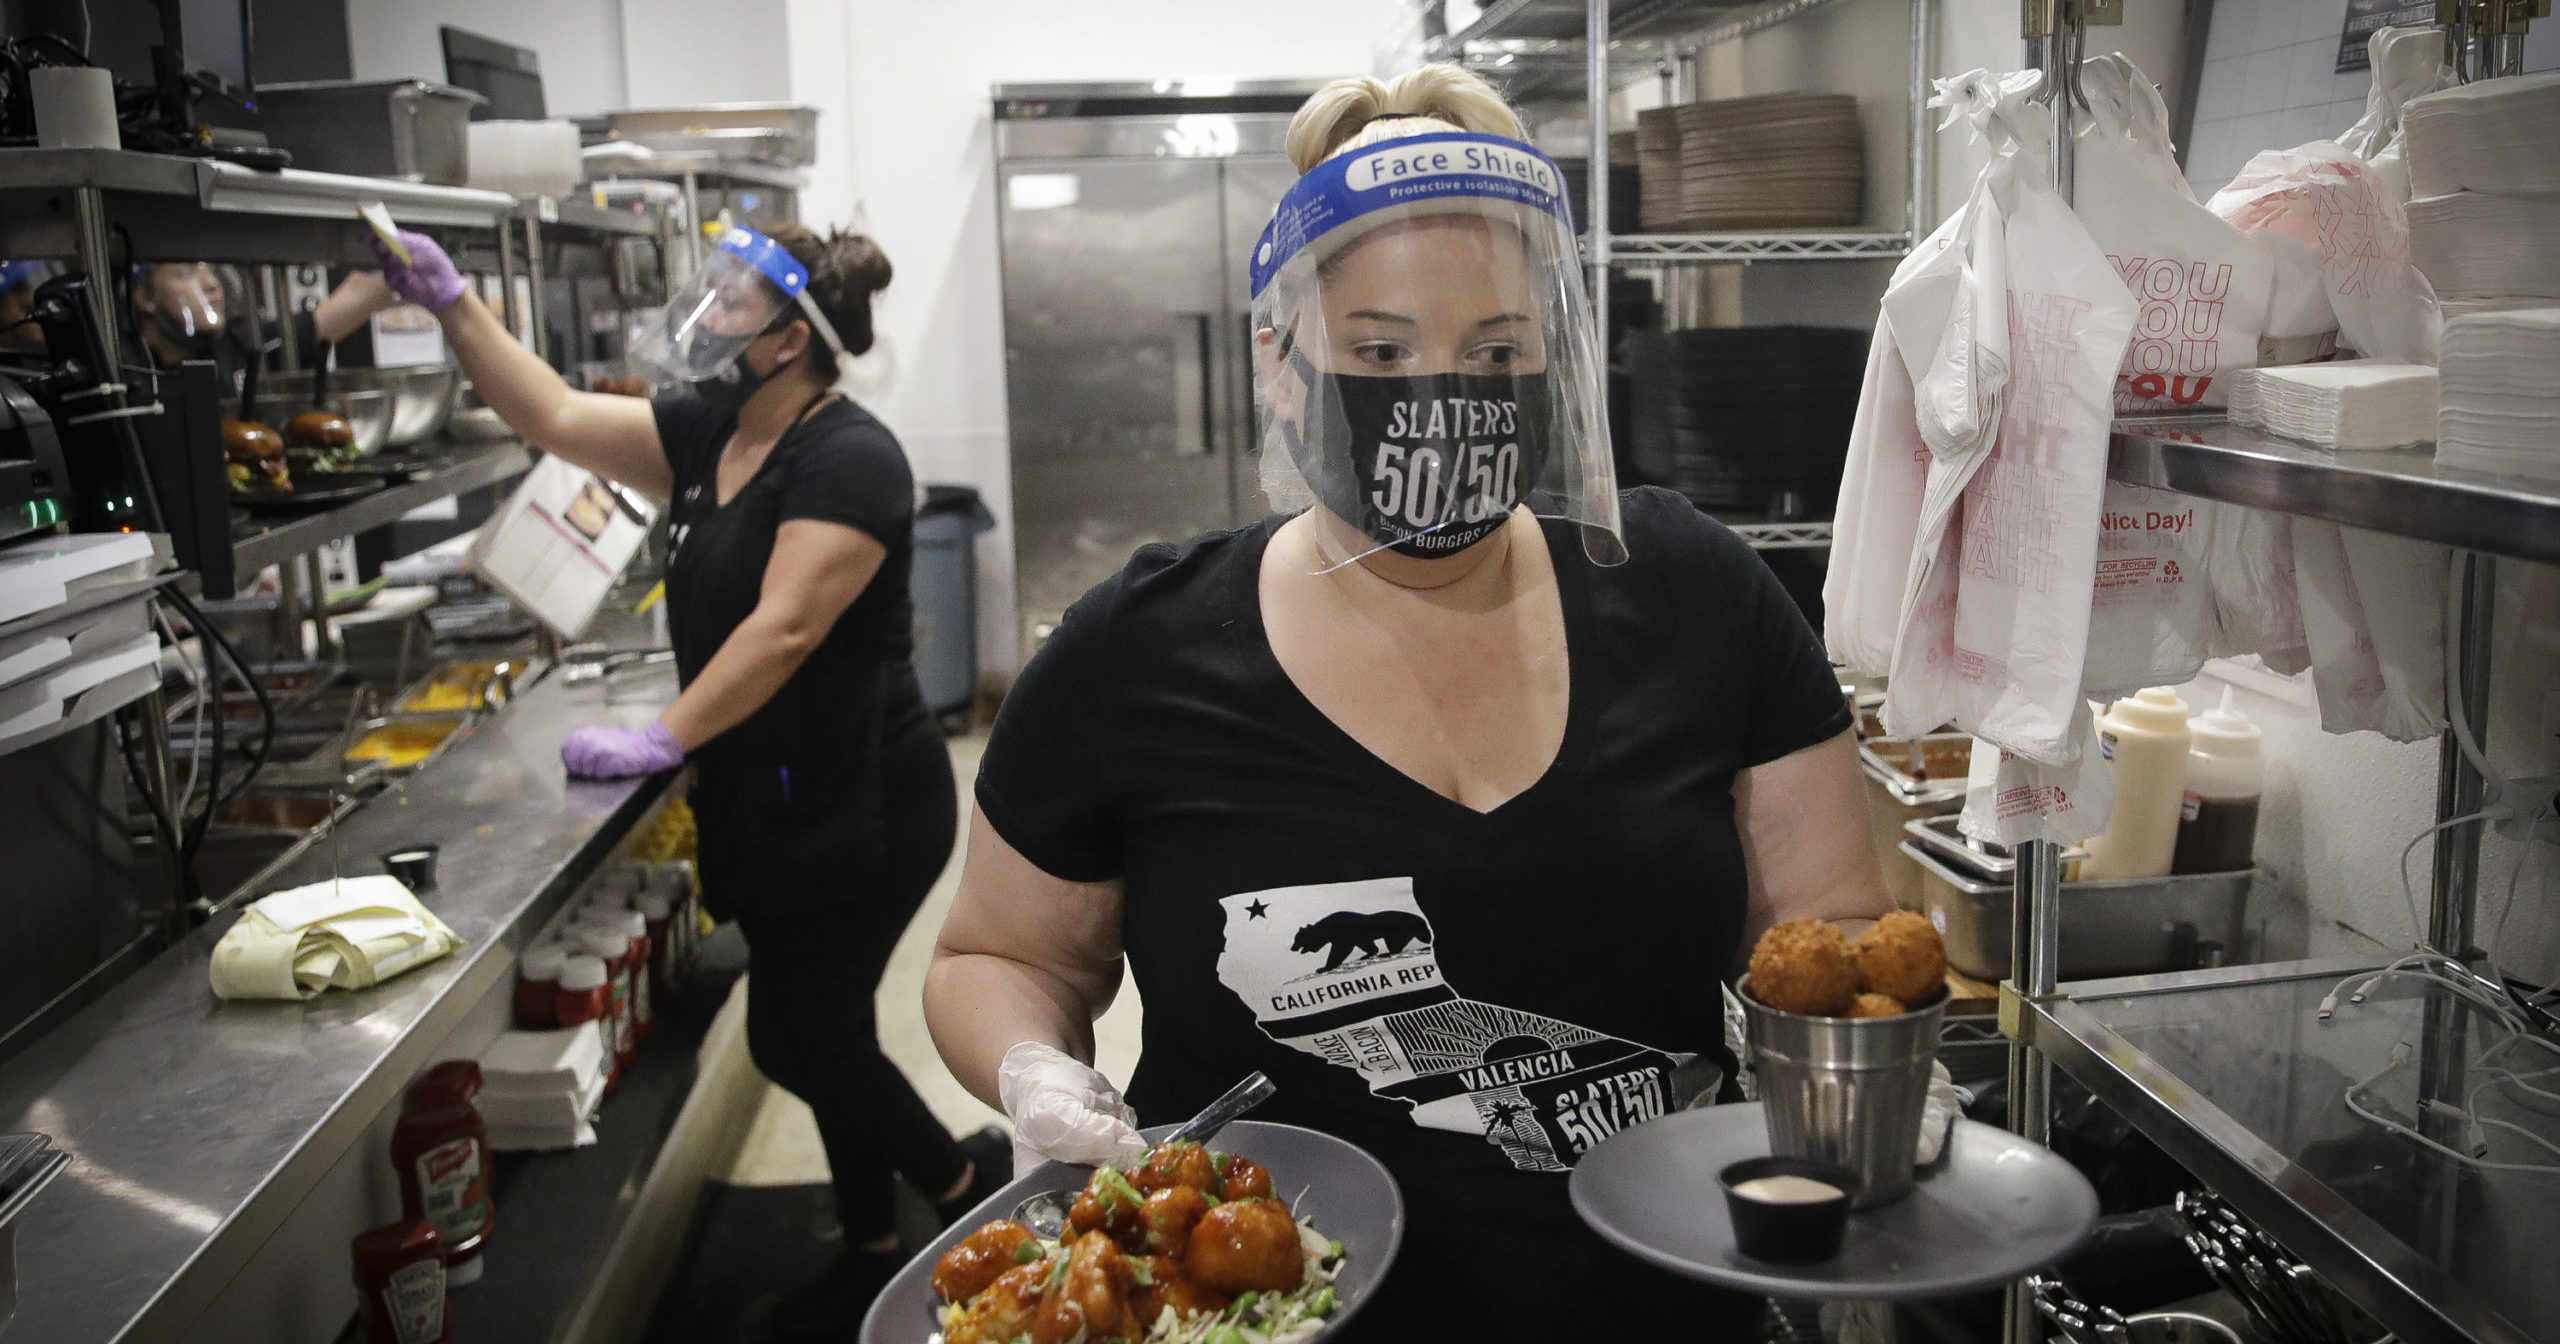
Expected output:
(812, 974)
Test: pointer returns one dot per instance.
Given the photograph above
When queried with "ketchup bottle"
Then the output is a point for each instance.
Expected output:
(538, 986)
(441, 1149)
(633, 928)
(586, 995)
(400, 1283)
(613, 948)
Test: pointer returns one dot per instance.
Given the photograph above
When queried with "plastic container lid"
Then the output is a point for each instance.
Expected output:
(582, 973)
(653, 907)
(2224, 731)
(597, 941)
(2153, 709)
(542, 961)
(628, 923)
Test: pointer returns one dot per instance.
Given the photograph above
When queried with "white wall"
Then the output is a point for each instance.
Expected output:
(915, 160)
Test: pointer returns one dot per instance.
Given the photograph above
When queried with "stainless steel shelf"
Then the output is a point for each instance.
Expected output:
(2402, 491)
(290, 537)
(1694, 21)
(1784, 536)
(1849, 245)
(2233, 1073)
(578, 214)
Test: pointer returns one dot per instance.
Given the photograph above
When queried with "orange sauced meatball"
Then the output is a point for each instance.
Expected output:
(1108, 1204)
(1804, 966)
(1244, 1178)
(1003, 1311)
(1166, 1219)
(1092, 1303)
(966, 1269)
(1173, 1164)
(1246, 1246)
(1165, 1285)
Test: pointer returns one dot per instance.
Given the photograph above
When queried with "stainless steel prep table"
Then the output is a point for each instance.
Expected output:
(197, 1126)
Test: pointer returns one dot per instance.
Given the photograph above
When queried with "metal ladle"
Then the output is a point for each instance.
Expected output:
(1046, 1213)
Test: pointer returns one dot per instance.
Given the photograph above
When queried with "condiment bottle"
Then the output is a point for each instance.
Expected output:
(2218, 819)
(538, 985)
(633, 927)
(659, 914)
(440, 1146)
(613, 947)
(586, 995)
(676, 878)
(399, 1270)
(2143, 738)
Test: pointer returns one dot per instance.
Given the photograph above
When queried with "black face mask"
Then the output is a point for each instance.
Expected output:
(1427, 464)
(733, 385)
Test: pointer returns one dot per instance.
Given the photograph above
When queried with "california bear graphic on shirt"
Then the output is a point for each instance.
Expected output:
(1347, 972)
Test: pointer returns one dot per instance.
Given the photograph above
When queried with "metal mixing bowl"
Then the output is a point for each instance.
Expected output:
(368, 410)
(422, 400)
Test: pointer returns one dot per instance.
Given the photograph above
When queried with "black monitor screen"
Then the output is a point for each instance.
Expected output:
(509, 77)
(214, 34)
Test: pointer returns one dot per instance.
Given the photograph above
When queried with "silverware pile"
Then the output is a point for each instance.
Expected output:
(2286, 1301)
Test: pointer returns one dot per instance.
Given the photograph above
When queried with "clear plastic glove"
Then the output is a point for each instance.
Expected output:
(601, 751)
(1064, 1111)
(427, 278)
(1938, 1114)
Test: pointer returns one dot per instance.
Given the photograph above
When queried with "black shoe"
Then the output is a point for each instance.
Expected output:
(831, 1307)
(990, 1150)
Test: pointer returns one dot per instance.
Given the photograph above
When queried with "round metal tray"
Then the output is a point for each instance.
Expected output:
(1993, 1208)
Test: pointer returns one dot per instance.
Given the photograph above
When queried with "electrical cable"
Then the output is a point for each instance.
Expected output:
(163, 827)
(2451, 975)
(266, 707)
(196, 688)
(2409, 894)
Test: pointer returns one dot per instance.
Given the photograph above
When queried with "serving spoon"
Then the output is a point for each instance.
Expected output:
(1046, 1213)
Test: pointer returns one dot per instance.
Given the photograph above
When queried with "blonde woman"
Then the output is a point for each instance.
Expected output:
(1446, 799)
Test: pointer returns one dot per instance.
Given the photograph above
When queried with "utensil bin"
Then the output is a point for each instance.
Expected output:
(2136, 926)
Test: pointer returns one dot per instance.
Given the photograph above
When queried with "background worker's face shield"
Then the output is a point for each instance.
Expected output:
(1424, 351)
(184, 305)
(748, 285)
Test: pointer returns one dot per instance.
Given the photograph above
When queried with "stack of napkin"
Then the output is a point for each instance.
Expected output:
(2500, 398)
(2484, 175)
(540, 1088)
(2498, 135)
(348, 933)
(2484, 245)
(2352, 403)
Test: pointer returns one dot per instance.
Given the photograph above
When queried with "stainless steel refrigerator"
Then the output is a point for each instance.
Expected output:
(1127, 212)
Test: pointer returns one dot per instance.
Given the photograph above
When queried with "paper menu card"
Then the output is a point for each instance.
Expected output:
(560, 542)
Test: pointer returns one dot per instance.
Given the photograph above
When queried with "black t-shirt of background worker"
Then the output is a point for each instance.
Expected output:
(1476, 998)
(812, 749)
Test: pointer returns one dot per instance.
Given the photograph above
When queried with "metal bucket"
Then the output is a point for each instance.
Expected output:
(1846, 1090)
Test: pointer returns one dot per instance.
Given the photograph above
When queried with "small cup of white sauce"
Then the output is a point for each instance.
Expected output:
(1788, 1210)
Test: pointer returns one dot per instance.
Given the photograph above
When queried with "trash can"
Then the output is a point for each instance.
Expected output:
(944, 589)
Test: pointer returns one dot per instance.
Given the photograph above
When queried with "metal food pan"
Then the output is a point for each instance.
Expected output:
(2137, 926)
(1979, 858)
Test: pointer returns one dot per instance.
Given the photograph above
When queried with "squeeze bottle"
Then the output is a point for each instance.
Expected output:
(2218, 821)
(2143, 739)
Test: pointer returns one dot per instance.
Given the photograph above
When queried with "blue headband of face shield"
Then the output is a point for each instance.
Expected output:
(775, 263)
(1401, 173)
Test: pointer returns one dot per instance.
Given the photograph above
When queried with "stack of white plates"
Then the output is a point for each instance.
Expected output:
(2479, 244)
(2352, 403)
(1778, 160)
(2500, 401)
(2498, 135)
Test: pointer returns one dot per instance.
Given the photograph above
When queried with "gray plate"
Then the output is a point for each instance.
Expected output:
(1350, 1197)
(1993, 1208)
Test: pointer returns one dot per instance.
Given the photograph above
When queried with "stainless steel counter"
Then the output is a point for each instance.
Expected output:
(196, 1126)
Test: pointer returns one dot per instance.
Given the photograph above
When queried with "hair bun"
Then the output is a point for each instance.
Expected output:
(1349, 113)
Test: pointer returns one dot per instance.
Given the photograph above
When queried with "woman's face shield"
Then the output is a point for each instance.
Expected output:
(747, 285)
(1425, 358)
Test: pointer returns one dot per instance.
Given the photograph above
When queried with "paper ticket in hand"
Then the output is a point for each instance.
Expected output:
(378, 215)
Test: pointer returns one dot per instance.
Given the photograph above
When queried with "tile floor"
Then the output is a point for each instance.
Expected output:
(782, 1149)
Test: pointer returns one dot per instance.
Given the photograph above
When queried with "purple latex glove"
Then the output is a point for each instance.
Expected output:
(427, 279)
(605, 752)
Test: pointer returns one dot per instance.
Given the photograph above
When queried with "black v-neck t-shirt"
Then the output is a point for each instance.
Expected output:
(1475, 998)
(813, 743)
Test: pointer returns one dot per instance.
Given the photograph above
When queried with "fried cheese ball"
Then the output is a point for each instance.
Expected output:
(965, 1270)
(1093, 1301)
(1166, 1219)
(1875, 1005)
(1902, 956)
(1172, 1164)
(1803, 966)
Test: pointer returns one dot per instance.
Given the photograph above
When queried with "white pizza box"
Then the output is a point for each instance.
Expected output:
(48, 572)
(40, 645)
(79, 692)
